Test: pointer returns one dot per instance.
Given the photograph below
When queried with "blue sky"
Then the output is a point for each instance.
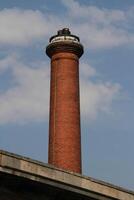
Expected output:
(106, 29)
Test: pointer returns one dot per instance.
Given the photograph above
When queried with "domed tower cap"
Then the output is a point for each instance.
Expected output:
(64, 41)
(64, 31)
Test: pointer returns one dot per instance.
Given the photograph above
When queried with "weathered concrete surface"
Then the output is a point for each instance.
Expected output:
(23, 168)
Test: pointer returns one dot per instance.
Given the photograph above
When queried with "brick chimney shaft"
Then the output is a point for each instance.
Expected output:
(64, 50)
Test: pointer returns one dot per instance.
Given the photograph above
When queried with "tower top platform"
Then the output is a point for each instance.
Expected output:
(64, 35)
(64, 41)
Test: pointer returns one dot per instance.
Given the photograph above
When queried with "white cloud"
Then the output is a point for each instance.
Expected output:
(93, 14)
(97, 27)
(96, 97)
(20, 27)
(5, 63)
(28, 100)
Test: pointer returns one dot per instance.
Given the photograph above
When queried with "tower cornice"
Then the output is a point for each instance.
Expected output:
(64, 46)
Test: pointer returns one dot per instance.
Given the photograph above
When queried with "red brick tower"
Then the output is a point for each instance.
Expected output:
(65, 50)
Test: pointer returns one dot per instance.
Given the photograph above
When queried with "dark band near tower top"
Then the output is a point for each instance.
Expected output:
(64, 41)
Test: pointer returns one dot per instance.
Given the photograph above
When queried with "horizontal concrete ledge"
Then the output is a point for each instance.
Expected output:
(44, 173)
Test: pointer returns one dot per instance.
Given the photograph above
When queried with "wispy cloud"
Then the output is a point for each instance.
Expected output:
(98, 27)
(93, 14)
(21, 27)
(96, 97)
(28, 99)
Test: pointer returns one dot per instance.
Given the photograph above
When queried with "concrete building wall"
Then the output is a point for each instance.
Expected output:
(18, 188)
(23, 178)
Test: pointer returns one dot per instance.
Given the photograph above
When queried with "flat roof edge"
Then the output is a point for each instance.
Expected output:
(16, 162)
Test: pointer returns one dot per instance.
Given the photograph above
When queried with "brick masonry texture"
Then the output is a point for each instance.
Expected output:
(64, 127)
